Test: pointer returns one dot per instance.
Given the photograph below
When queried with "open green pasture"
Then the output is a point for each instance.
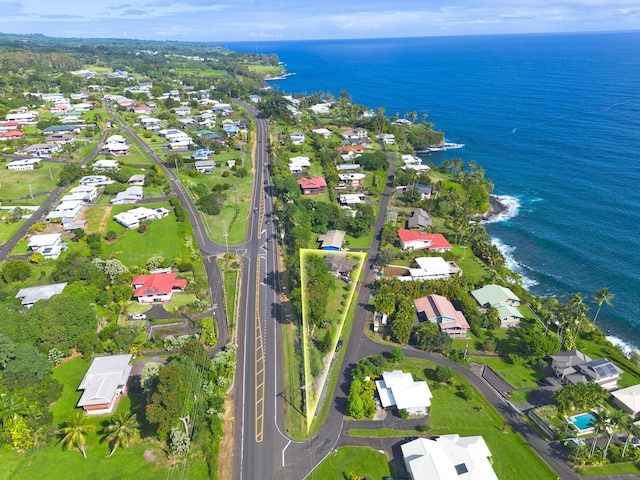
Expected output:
(366, 462)
(55, 463)
(15, 184)
(162, 236)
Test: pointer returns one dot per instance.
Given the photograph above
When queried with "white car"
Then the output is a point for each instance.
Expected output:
(139, 316)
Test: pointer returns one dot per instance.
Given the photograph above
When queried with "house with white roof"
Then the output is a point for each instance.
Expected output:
(349, 199)
(397, 389)
(432, 268)
(448, 457)
(104, 384)
(325, 132)
(66, 212)
(204, 166)
(297, 138)
(24, 164)
(132, 218)
(31, 295)
(105, 165)
(297, 164)
(96, 180)
(352, 179)
(49, 244)
(116, 145)
(628, 399)
(387, 138)
(82, 193)
(130, 195)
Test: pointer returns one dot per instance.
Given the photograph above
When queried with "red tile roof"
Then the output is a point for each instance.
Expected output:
(437, 241)
(315, 182)
(12, 133)
(157, 284)
(11, 124)
(351, 148)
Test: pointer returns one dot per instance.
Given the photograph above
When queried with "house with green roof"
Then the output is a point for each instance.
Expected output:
(503, 300)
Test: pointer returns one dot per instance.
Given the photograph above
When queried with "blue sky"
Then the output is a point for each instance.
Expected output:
(255, 20)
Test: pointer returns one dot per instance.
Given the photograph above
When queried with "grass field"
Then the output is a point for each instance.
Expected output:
(8, 230)
(519, 376)
(234, 213)
(132, 247)
(512, 457)
(53, 463)
(15, 184)
(366, 462)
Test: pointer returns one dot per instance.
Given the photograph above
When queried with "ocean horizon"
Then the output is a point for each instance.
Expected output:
(554, 119)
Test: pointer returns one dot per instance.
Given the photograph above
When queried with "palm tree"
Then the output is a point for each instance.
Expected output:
(602, 296)
(615, 421)
(632, 430)
(599, 423)
(121, 431)
(11, 408)
(74, 430)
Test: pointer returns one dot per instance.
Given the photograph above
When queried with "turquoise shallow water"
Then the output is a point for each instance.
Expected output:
(583, 421)
(554, 120)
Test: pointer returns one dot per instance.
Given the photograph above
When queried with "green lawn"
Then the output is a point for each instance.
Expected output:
(134, 248)
(627, 468)
(512, 457)
(364, 461)
(519, 376)
(235, 211)
(8, 230)
(15, 183)
(52, 462)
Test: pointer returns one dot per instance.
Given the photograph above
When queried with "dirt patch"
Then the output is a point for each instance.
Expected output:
(105, 218)
(225, 456)
(395, 271)
(149, 456)
(74, 354)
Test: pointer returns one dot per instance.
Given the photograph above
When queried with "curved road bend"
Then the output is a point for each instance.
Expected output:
(35, 217)
(208, 249)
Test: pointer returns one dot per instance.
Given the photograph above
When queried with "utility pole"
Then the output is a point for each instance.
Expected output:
(50, 174)
(235, 197)
(226, 236)
(30, 193)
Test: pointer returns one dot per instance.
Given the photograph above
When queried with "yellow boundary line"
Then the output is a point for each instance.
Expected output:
(259, 370)
(312, 396)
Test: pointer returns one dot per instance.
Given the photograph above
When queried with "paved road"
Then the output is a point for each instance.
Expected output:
(39, 214)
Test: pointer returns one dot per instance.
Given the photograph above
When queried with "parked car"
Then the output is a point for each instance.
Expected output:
(139, 316)
(575, 441)
(339, 345)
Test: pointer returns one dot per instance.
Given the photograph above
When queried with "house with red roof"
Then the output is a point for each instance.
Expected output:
(411, 240)
(312, 186)
(157, 287)
(438, 309)
(351, 148)
(11, 135)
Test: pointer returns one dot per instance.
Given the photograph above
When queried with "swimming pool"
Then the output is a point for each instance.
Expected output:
(584, 421)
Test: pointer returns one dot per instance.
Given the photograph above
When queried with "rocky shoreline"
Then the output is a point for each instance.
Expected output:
(497, 207)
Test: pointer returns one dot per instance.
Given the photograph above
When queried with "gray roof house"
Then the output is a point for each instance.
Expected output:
(31, 295)
(574, 366)
(419, 219)
(104, 383)
(332, 240)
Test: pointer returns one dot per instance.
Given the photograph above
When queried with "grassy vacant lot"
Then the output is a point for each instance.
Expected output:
(52, 462)
(512, 457)
(364, 461)
(15, 184)
(235, 211)
(615, 469)
(131, 247)
(7, 230)
(519, 376)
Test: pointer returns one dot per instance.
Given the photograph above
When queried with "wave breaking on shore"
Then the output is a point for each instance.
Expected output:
(624, 346)
(512, 264)
(503, 207)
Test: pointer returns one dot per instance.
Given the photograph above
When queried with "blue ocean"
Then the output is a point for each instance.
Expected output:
(553, 118)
